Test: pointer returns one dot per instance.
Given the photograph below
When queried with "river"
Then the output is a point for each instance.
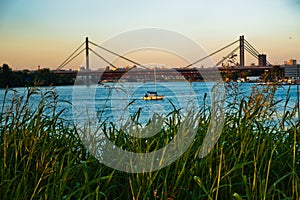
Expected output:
(116, 102)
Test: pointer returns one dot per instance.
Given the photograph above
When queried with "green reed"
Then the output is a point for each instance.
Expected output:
(256, 156)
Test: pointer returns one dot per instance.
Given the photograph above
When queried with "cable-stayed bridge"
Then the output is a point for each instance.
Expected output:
(227, 64)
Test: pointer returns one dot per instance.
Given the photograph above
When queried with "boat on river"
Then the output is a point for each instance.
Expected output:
(153, 96)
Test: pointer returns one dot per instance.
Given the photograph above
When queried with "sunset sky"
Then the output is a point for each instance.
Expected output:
(38, 32)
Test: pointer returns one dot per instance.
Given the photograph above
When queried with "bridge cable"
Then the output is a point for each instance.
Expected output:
(70, 60)
(249, 45)
(226, 57)
(251, 52)
(116, 54)
(252, 47)
(63, 64)
(102, 58)
(210, 54)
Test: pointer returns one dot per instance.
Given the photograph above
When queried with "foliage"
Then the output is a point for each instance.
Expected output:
(42, 77)
(274, 74)
(256, 157)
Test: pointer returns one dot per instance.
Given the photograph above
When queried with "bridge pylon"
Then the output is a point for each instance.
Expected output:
(87, 67)
(242, 51)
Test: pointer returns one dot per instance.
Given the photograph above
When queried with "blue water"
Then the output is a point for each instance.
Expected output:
(115, 102)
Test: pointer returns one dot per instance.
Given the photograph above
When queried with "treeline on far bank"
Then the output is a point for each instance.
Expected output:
(42, 77)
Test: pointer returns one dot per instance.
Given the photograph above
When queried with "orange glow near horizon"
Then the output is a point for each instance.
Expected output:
(26, 54)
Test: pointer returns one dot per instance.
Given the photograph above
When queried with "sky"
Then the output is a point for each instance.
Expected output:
(44, 33)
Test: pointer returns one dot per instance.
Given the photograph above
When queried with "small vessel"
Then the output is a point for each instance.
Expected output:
(153, 95)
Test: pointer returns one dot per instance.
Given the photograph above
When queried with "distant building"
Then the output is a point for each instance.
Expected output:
(291, 69)
(81, 69)
(262, 60)
(290, 62)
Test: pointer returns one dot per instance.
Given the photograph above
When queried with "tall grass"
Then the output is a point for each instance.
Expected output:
(256, 156)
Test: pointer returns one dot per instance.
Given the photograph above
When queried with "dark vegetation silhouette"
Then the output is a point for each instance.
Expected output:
(42, 77)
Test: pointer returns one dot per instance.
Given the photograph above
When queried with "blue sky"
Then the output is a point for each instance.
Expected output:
(36, 32)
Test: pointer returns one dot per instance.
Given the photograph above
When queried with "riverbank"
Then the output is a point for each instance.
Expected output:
(47, 77)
